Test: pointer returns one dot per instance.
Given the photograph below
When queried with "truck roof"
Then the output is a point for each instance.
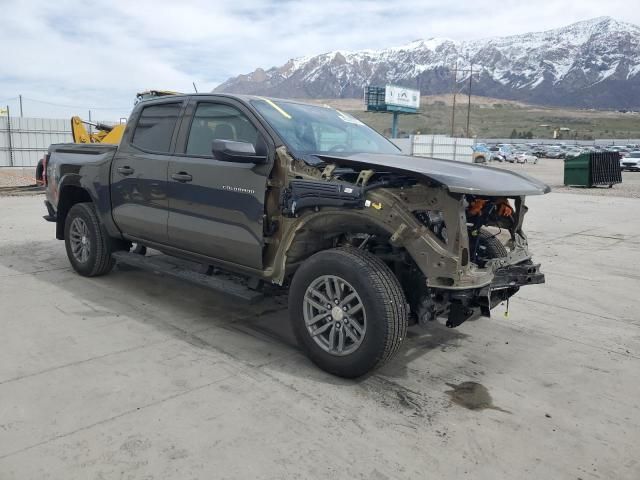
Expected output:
(243, 97)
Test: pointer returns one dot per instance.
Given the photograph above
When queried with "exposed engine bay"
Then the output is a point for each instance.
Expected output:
(457, 255)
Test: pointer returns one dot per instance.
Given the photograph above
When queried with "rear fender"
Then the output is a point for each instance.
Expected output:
(73, 188)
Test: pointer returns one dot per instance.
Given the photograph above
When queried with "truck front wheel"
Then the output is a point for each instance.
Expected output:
(88, 246)
(348, 311)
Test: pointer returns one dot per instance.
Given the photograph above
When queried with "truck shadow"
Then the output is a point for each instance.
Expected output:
(256, 336)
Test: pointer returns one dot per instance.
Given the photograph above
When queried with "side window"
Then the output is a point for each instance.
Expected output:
(155, 127)
(218, 122)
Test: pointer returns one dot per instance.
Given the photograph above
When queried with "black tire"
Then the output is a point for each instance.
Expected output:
(383, 302)
(99, 260)
(40, 172)
(488, 247)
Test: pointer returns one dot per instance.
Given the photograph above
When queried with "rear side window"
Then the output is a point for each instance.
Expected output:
(214, 121)
(155, 127)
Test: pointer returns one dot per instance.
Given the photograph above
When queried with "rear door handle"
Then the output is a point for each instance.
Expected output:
(182, 177)
(125, 170)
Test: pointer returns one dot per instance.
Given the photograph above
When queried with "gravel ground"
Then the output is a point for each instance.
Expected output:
(17, 176)
(551, 171)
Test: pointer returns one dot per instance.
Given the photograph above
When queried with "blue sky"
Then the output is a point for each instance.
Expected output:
(98, 56)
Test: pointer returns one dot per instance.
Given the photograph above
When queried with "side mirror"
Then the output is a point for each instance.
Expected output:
(231, 151)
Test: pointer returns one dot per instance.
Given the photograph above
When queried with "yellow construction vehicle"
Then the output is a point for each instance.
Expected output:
(108, 133)
(103, 134)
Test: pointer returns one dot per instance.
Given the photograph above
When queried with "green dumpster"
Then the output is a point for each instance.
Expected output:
(593, 169)
(577, 170)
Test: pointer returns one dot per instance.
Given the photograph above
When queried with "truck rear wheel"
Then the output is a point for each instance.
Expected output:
(348, 311)
(88, 246)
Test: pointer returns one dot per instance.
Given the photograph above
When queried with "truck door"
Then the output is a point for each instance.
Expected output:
(216, 207)
(139, 173)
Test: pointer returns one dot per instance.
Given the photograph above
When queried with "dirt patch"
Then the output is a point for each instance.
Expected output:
(17, 176)
(396, 397)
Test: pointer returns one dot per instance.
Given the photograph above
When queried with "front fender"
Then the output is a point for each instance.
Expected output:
(388, 211)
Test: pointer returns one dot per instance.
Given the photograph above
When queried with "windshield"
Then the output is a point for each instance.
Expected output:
(310, 129)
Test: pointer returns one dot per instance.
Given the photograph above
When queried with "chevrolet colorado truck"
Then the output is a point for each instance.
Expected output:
(300, 197)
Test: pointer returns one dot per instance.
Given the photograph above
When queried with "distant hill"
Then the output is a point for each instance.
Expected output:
(593, 64)
(496, 118)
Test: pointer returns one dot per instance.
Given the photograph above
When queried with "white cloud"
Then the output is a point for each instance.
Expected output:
(75, 53)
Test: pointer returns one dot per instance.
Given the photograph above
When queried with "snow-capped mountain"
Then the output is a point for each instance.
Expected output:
(594, 63)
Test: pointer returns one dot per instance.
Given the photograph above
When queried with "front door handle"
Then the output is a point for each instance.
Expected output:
(182, 177)
(126, 170)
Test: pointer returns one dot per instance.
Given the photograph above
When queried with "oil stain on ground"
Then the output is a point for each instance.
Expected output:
(473, 396)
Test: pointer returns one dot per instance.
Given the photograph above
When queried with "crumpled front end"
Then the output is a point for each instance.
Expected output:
(470, 250)
(489, 252)
(456, 253)
(507, 280)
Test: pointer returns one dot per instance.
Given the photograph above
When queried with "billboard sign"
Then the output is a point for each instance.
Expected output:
(402, 97)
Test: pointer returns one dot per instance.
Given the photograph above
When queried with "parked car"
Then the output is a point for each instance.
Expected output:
(573, 153)
(539, 151)
(481, 153)
(631, 162)
(364, 239)
(623, 151)
(506, 152)
(496, 155)
(554, 152)
(525, 157)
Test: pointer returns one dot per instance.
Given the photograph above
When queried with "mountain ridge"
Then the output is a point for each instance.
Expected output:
(593, 63)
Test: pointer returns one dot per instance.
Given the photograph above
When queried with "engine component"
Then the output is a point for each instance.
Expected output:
(458, 314)
(434, 221)
(476, 207)
(483, 208)
(303, 194)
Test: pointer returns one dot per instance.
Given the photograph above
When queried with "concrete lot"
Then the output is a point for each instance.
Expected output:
(551, 171)
(137, 376)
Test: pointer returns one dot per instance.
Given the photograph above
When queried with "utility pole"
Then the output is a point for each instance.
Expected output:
(20, 100)
(9, 137)
(455, 91)
(469, 103)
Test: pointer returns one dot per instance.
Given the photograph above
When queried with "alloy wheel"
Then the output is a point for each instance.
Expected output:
(334, 315)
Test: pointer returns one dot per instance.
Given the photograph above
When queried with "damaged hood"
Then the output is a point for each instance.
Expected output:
(458, 177)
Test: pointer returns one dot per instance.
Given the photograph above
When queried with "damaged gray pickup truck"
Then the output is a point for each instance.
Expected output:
(303, 197)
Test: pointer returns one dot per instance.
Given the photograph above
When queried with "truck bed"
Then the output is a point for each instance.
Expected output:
(84, 166)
